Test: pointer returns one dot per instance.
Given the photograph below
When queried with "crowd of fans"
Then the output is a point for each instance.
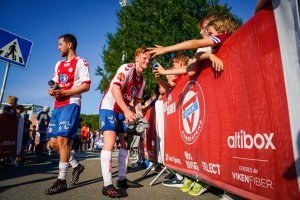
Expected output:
(115, 110)
(34, 138)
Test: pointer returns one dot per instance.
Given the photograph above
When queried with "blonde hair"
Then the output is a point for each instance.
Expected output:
(180, 57)
(12, 100)
(208, 17)
(224, 24)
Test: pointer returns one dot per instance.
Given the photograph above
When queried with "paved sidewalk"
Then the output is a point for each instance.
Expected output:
(29, 181)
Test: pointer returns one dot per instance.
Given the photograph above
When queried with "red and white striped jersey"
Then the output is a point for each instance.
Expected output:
(71, 75)
(132, 86)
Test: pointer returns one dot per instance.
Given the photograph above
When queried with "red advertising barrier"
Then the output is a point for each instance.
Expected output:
(234, 131)
(8, 135)
(148, 143)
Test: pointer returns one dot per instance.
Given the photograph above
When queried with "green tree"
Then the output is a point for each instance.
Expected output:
(91, 120)
(149, 22)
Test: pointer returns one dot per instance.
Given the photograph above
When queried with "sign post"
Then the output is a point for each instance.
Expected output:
(14, 50)
(4, 81)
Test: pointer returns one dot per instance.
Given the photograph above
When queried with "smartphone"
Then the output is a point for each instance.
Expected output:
(154, 64)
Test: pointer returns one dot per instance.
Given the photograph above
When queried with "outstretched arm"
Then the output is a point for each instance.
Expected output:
(174, 71)
(186, 45)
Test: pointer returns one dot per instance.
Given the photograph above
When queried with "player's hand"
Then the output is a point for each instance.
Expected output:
(130, 117)
(51, 93)
(57, 93)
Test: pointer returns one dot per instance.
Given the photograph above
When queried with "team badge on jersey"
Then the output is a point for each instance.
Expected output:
(63, 78)
(70, 69)
(133, 91)
(121, 77)
(192, 112)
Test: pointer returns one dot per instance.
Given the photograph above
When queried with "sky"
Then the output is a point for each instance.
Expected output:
(42, 22)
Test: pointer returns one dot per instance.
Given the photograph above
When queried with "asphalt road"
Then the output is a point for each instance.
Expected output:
(29, 181)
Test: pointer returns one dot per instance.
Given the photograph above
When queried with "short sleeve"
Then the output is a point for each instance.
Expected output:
(123, 74)
(84, 72)
(55, 75)
(218, 39)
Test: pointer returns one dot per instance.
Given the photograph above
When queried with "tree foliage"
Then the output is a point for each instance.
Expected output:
(91, 120)
(150, 22)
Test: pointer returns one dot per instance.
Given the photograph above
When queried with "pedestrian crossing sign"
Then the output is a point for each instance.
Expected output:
(14, 49)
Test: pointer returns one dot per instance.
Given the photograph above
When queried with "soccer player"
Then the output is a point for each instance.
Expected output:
(120, 106)
(72, 78)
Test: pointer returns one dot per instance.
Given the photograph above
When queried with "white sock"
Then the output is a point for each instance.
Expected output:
(63, 167)
(106, 165)
(122, 163)
(72, 161)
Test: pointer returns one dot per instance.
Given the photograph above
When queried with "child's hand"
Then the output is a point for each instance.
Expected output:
(159, 70)
(216, 62)
(156, 73)
(157, 50)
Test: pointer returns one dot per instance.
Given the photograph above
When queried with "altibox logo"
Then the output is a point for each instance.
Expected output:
(243, 140)
(192, 112)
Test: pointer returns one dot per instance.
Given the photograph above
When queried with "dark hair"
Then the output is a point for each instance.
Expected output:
(20, 107)
(69, 38)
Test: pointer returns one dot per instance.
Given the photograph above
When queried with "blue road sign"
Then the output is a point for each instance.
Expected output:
(14, 49)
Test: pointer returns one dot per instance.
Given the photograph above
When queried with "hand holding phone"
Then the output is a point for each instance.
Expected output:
(154, 64)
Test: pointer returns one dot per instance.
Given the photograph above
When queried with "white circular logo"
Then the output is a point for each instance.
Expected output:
(70, 69)
(192, 112)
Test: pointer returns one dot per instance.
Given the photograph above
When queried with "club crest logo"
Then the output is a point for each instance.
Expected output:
(192, 112)
(63, 78)
(133, 91)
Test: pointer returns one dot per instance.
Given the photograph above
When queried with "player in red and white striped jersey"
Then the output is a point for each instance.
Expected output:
(71, 75)
(131, 84)
(117, 109)
(71, 78)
